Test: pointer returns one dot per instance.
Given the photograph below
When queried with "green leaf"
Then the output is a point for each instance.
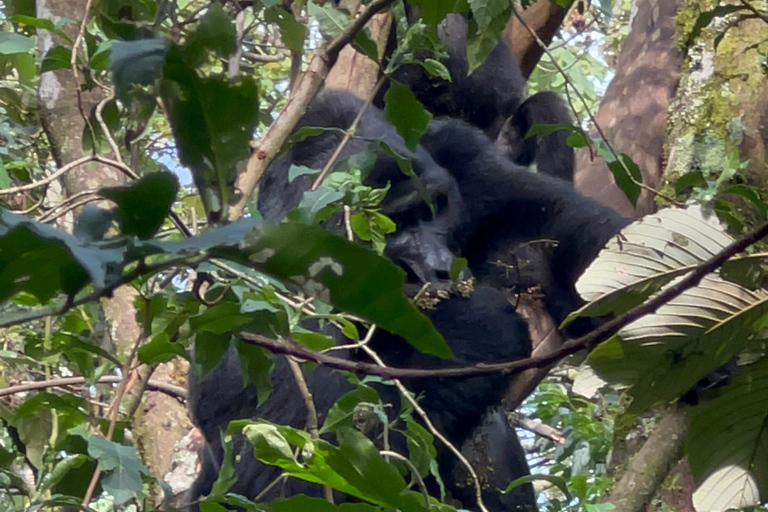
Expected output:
(123, 466)
(293, 32)
(160, 350)
(727, 442)
(434, 11)
(303, 503)
(481, 42)
(11, 43)
(558, 481)
(625, 171)
(57, 57)
(364, 43)
(406, 113)
(135, 63)
(41, 23)
(215, 33)
(213, 120)
(436, 68)
(143, 205)
(341, 413)
(484, 12)
(357, 279)
(314, 201)
(300, 170)
(332, 21)
(43, 261)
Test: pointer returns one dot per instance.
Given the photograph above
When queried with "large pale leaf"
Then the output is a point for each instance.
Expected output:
(728, 443)
(664, 354)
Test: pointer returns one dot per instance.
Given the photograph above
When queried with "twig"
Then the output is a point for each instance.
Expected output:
(309, 404)
(350, 132)
(105, 129)
(415, 472)
(177, 392)
(756, 12)
(588, 342)
(537, 427)
(73, 66)
(113, 413)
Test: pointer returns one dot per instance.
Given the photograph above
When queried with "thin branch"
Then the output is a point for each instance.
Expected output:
(114, 411)
(754, 9)
(177, 392)
(587, 342)
(415, 472)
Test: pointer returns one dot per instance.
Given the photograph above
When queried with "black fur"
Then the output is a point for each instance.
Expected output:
(486, 98)
(551, 152)
(510, 206)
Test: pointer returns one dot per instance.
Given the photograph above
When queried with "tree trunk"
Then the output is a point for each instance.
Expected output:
(161, 421)
(633, 112)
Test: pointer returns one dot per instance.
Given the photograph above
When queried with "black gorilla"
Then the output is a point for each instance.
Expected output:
(482, 327)
(492, 98)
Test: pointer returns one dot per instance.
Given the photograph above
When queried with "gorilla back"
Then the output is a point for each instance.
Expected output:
(481, 327)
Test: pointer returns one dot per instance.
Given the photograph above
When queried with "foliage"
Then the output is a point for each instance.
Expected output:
(190, 85)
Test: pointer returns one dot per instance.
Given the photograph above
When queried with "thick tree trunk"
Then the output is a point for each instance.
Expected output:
(633, 113)
(162, 420)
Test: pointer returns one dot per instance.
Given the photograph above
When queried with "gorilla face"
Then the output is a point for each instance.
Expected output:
(426, 205)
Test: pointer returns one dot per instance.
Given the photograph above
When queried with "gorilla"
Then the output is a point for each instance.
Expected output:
(478, 328)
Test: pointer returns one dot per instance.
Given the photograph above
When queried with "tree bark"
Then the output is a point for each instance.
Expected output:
(633, 113)
(651, 465)
(163, 421)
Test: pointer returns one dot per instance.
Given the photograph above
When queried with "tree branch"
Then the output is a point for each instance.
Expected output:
(155, 385)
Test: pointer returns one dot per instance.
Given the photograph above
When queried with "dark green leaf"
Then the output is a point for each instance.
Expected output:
(215, 33)
(406, 113)
(38, 23)
(160, 350)
(213, 121)
(143, 205)
(135, 63)
(433, 11)
(625, 171)
(57, 57)
(43, 261)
